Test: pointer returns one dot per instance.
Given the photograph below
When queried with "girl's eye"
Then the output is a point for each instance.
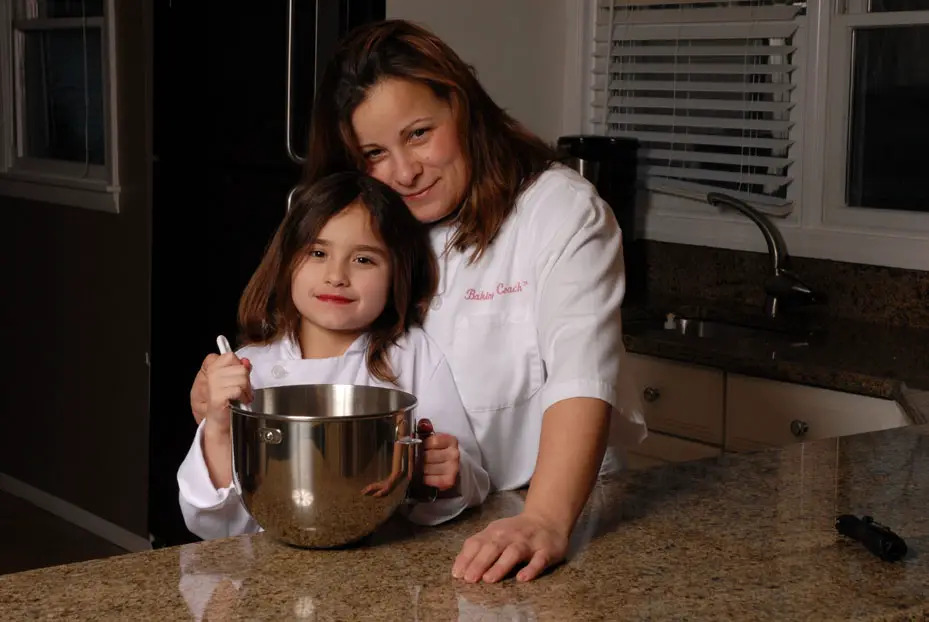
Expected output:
(317, 254)
(419, 133)
(364, 260)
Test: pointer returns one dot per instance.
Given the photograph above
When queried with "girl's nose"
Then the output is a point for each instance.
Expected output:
(336, 275)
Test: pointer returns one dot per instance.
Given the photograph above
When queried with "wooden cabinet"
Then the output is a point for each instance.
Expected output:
(680, 399)
(767, 413)
(694, 412)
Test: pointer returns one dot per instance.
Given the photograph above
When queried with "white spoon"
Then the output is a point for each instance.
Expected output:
(224, 348)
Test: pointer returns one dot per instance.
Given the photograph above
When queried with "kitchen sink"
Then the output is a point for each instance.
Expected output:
(711, 329)
(717, 329)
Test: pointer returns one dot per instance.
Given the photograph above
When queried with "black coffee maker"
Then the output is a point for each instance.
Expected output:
(609, 163)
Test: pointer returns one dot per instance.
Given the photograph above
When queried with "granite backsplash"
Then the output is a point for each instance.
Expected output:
(865, 293)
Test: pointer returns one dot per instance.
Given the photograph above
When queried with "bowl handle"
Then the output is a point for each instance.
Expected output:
(418, 492)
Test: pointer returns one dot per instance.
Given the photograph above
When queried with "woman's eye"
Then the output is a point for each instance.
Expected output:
(373, 154)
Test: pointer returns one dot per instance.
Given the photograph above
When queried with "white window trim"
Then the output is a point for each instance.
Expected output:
(53, 181)
(838, 97)
(807, 231)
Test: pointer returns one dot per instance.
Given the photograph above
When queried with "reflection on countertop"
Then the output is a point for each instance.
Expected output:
(741, 536)
(845, 355)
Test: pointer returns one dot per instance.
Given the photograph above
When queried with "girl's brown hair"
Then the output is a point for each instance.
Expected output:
(267, 311)
(503, 157)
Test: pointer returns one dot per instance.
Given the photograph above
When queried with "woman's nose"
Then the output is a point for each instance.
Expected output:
(407, 169)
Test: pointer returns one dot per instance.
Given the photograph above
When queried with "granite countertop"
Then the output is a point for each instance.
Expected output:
(741, 536)
(869, 359)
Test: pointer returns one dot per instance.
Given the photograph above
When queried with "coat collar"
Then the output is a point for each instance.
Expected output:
(290, 348)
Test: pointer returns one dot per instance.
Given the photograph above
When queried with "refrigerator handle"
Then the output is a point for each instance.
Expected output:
(290, 198)
(288, 112)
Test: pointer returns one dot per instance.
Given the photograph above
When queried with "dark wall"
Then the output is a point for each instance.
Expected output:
(75, 319)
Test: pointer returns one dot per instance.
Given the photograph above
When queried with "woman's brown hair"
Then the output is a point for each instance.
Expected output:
(267, 311)
(503, 157)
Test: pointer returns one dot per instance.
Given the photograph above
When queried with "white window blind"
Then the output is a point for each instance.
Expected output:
(707, 88)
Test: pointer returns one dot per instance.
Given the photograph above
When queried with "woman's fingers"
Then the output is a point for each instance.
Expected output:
(539, 562)
(501, 546)
(469, 550)
(511, 555)
(482, 560)
(200, 391)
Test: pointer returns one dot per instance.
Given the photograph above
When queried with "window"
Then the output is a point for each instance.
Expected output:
(708, 89)
(812, 111)
(56, 79)
(881, 95)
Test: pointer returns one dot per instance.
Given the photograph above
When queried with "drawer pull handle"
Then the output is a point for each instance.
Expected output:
(799, 428)
(651, 394)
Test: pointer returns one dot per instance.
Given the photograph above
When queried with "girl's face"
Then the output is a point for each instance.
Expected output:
(344, 282)
(409, 138)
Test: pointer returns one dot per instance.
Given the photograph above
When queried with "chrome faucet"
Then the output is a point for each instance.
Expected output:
(782, 284)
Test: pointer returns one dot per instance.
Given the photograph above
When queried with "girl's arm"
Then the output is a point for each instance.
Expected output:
(439, 401)
(210, 511)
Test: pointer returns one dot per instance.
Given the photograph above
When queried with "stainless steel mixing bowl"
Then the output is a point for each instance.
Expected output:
(324, 465)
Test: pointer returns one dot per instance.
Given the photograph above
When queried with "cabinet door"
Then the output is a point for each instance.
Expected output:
(680, 399)
(767, 413)
(660, 448)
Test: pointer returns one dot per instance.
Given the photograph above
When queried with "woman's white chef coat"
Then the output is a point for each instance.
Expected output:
(422, 370)
(537, 320)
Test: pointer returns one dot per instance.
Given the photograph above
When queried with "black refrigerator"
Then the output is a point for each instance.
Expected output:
(232, 89)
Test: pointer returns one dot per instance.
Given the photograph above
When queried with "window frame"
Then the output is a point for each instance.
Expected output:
(841, 50)
(93, 186)
(807, 230)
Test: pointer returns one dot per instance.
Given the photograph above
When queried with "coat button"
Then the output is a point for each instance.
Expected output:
(278, 371)
(436, 303)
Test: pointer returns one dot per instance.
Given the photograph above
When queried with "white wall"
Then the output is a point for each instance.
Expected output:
(525, 53)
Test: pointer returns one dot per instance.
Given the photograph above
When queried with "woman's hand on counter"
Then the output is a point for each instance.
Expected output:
(493, 553)
(564, 476)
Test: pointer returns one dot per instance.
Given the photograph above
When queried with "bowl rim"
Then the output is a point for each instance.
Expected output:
(236, 407)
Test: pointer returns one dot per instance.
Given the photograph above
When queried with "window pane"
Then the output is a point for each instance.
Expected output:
(59, 123)
(888, 164)
(880, 6)
(60, 8)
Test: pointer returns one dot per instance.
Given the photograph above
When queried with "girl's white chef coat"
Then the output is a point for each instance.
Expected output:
(422, 370)
(537, 320)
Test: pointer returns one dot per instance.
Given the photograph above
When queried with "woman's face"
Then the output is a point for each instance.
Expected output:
(409, 138)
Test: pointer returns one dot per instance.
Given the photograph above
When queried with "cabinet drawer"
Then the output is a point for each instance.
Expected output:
(661, 448)
(767, 413)
(680, 399)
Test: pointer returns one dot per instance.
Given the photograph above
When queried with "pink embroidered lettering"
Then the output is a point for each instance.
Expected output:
(502, 289)
(518, 286)
(478, 294)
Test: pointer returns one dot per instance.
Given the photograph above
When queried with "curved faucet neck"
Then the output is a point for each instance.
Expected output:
(777, 249)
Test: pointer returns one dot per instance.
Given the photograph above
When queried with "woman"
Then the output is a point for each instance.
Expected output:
(531, 277)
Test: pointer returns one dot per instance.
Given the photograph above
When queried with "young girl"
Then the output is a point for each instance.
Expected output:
(338, 299)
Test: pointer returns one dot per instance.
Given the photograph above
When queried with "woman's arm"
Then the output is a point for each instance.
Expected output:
(565, 472)
(564, 476)
(200, 390)
(580, 273)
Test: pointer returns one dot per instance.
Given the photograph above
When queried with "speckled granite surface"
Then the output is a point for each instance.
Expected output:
(845, 355)
(869, 294)
(745, 536)
(869, 336)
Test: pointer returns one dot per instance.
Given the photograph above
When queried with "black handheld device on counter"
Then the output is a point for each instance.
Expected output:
(876, 537)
